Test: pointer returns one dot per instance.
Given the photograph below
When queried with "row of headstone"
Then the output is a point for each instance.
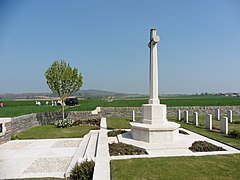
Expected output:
(223, 120)
(229, 115)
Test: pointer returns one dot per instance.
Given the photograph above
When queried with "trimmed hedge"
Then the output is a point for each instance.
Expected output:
(115, 133)
(118, 149)
(83, 171)
(235, 133)
(203, 146)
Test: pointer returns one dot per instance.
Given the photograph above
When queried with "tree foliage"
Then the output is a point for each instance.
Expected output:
(63, 80)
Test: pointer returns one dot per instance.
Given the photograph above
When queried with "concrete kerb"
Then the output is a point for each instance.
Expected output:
(102, 165)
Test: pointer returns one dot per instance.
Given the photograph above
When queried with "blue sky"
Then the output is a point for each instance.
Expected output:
(107, 41)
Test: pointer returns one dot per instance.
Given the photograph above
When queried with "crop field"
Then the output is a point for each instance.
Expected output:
(17, 108)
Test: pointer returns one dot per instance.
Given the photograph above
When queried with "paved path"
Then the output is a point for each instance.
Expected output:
(36, 158)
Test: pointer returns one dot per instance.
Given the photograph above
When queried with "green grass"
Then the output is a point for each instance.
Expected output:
(51, 131)
(17, 108)
(119, 122)
(202, 167)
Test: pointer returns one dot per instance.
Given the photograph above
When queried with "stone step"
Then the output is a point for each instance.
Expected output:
(86, 149)
(92, 146)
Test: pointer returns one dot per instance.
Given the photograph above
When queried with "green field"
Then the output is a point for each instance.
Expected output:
(17, 108)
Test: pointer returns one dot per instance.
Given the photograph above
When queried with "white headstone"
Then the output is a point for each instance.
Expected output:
(229, 116)
(186, 116)
(195, 118)
(209, 121)
(133, 115)
(178, 114)
(224, 125)
(217, 114)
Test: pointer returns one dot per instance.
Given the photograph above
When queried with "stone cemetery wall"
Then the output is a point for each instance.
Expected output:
(171, 111)
(120, 111)
(52, 117)
(22, 123)
(18, 124)
(7, 136)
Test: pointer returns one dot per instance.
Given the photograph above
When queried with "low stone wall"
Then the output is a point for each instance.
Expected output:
(171, 111)
(18, 124)
(202, 110)
(52, 117)
(22, 123)
(7, 136)
(120, 111)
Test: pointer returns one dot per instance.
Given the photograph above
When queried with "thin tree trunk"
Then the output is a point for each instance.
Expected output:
(63, 110)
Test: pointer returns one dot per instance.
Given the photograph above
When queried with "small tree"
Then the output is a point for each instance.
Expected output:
(63, 80)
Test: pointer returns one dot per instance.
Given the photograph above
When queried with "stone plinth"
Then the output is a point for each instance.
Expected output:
(164, 134)
(154, 114)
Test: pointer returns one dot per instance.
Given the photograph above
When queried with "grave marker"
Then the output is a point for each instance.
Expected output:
(224, 125)
(209, 121)
(195, 118)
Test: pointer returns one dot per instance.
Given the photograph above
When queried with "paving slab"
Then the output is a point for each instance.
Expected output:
(36, 158)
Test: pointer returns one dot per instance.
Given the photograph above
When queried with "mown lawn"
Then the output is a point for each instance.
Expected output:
(119, 122)
(201, 168)
(52, 132)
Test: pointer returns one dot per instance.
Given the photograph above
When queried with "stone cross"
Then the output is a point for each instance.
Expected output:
(154, 39)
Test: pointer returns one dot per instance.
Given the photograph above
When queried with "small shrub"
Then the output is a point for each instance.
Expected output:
(117, 149)
(235, 133)
(183, 132)
(64, 123)
(14, 138)
(115, 133)
(95, 121)
(83, 171)
(203, 146)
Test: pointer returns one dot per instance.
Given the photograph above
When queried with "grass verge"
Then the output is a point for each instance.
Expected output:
(201, 167)
(51, 131)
